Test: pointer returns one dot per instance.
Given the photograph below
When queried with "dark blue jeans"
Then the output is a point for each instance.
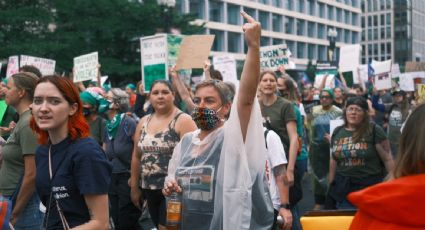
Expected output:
(123, 212)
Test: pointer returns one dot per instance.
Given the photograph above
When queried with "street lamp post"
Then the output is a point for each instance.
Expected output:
(166, 10)
(332, 34)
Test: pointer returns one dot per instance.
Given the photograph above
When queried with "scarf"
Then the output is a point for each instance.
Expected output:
(112, 126)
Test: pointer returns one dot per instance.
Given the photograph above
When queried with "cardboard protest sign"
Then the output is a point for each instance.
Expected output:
(381, 66)
(12, 66)
(349, 57)
(271, 57)
(153, 50)
(421, 93)
(85, 67)
(323, 70)
(406, 82)
(395, 70)
(173, 50)
(227, 67)
(194, 50)
(46, 66)
(414, 66)
(383, 81)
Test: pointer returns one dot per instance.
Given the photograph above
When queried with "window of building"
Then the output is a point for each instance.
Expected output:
(347, 16)
(264, 20)
(301, 6)
(389, 4)
(363, 22)
(383, 49)
(339, 35)
(300, 50)
(382, 32)
(369, 49)
(389, 48)
(375, 49)
(375, 20)
(389, 19)
(339, 15)
(382, 20)
(382, 4)
(289, 25)
(363, 35)
(388, 32)
(347, 38)
(375, 34)
(218, 44)
(300, 27)
(311, 50)
(330, 12)
(322, 53)
(277, 41)
(251, 12)
(277, 3)
(363, 50)
(197, 7)
(369, 21)
(311, 4)
(234, 42)
(265, 41)
(375, 5)
(277, 23)
(369, 34)
(289, 4)
(291, 46)
(216, 11)
(321, 31)
(311, 29)
(355, 3)
(369, 6)
(233, 14)
(266, 2)
(322, 10)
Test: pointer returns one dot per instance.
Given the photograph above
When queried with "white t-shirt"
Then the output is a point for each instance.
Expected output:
(275, 157)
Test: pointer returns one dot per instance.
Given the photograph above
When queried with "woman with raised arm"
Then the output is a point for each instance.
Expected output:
(155, 138)
(219, 168)
(73, 174)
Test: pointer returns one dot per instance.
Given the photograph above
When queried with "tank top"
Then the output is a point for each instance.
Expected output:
(157, 150)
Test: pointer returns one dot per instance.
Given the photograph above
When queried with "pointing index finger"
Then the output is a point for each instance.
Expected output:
(247, 17)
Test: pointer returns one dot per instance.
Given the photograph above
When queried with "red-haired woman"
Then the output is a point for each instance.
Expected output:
(73, 174)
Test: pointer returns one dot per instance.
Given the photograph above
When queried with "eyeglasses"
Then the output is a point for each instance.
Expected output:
(325, 97)
(354, 110)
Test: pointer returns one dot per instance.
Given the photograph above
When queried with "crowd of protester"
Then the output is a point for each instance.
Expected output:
(92, 156)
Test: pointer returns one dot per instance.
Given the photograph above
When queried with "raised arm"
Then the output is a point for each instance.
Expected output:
(207, 66)
(181, 89)
(250, 73)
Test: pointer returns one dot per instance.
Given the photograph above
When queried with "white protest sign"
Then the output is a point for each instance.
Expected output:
(46, 66)
(395, 70)
(271, 57)
(383, 81)
(103, 80)
(381, 66)
(334, 124)
(12, 66)
(153, 51)
(85, 67)
(360, 75)
(323, 70)
(406, 82)
(349, 58)
(227, 67)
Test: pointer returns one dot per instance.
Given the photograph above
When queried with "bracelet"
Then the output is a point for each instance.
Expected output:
(285, 206)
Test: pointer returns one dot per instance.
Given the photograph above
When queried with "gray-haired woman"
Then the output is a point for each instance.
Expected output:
(118, 145)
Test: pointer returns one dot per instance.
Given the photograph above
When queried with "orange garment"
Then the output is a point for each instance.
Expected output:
(395, 205)
(132, 99)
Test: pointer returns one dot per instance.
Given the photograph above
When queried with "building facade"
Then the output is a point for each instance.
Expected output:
(393, 29)
(302, 24)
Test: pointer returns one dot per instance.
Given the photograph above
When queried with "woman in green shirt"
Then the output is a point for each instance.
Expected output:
(359, 152)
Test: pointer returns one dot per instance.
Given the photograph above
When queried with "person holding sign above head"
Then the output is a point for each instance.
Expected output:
(73, 174)
(155, 137)
(219, 168)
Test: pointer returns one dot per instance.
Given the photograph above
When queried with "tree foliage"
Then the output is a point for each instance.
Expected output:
(62, 30)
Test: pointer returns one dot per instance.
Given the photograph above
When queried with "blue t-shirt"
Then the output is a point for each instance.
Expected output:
(79, 167)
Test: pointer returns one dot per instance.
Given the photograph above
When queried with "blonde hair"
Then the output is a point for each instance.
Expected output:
(411, 153)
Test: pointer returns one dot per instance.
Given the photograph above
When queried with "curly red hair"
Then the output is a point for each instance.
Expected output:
(77, 125)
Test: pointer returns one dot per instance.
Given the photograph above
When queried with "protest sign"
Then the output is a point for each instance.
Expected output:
(173, 49)
(12, 66)
(271, 57)
(421, 93)
(46, 66)
(349, 57)
(381, 66)
(153, 50)
(361, 75)
(103, 80)
(414, 66)
(395, 70)
(227, 67)
(406, 82)
(383, 81)
(194, 50)
(323, 70)
(85, 67)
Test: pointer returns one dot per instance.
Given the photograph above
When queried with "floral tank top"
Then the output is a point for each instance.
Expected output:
(156, 150)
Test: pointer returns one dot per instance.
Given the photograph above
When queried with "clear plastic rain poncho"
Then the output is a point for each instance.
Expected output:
(222, 177)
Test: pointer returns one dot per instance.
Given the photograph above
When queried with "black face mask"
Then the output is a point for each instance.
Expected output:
(86, 111)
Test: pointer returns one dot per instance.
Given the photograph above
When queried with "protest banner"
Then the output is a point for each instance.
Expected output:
(85, 67)
(323, 70)
(383, 81)
(46, 66)
(349, 57)
(395, 70)
(226, 64)
(361, 75)
(421, 93)
(153, 50)
(406, 82)
(12, 66)
(271, 57)
(381, 66)
(194, 51)
(414, 66)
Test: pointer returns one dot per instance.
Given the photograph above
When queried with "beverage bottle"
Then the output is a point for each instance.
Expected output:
(174, 211)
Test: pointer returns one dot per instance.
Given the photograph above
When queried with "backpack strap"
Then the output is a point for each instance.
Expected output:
(265, 136)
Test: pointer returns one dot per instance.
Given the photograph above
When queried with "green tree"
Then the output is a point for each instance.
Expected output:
(111, 27)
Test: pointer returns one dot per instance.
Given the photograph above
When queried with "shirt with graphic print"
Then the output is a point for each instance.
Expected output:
(319, 123)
